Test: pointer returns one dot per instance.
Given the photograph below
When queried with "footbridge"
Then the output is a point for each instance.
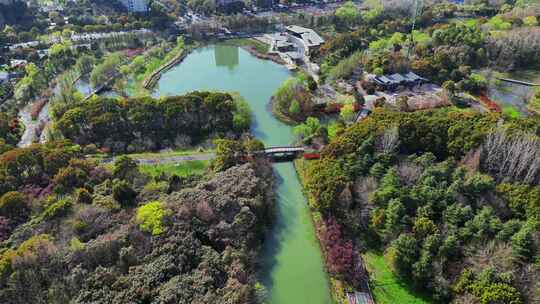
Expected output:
(285, 153)
(521, 82)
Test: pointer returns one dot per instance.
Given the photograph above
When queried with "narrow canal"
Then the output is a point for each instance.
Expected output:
(293, 267)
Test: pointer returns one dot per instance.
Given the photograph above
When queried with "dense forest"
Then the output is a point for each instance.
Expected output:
(450, 196)
(79, 232)
(145, 123)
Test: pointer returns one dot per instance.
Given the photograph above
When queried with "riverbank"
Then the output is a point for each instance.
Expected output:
(152, 79)
(256, 49)
(280, 116)
(337, 286)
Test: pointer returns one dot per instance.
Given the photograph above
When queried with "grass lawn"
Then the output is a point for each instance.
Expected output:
(511, 111)
(387, 288)
(180, 169)
(155, 155)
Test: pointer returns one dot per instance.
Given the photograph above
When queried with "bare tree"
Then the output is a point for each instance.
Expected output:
(514, 157)
(389, 141)
(518, 48)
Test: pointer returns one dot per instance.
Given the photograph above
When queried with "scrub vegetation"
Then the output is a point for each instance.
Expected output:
(78, 232)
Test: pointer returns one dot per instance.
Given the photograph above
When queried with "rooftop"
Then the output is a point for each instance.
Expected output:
(312, 38)
(298, 29)
(309, 36)
(398, 78)
(281, 43)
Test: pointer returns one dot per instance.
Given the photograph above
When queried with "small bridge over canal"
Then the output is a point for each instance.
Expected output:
(285, 153)
(521, 82)
(275, 154)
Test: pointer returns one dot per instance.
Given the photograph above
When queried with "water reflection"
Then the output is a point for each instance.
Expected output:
(226, 55)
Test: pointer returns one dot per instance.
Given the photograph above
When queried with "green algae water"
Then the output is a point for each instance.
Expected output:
(293, 267)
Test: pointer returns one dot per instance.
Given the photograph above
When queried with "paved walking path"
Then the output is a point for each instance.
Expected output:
(167, 159)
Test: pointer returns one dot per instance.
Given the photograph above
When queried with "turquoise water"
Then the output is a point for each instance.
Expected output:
(292, 263)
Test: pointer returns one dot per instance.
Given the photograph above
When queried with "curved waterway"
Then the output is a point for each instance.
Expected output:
(293, 267)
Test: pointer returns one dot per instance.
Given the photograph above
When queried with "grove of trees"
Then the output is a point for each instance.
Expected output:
(72, 230)
(143, 123)
(450, 196)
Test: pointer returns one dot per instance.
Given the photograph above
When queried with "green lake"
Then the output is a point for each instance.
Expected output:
(293, 268)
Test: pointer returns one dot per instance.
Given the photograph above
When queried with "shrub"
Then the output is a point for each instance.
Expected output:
(478, 183)
(90, 149)
(500, 293)
(70, 177)
(341, 256)
(509, 228)
(488, 287)
(485, 223)
(150, 217)
(57, 209)
(4, 228)
(12, 204)
(83, 196)
(308, 130)
(394, 217)
(242, 114)
(406, 254)
(124, 167)
(34, 244)
(523, 199)
(229, 153)
(522, 243)
(423, 227)
(325, 181)
(75, 245)
(123, 193)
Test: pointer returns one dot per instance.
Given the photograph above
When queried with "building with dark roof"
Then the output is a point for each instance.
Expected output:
(391, 82)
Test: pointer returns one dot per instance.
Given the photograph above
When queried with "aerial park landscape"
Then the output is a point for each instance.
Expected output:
(376, 151)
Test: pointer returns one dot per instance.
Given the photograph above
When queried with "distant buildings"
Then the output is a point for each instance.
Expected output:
(223, 3)
(135, 6)
(4, 77)
(17, 63)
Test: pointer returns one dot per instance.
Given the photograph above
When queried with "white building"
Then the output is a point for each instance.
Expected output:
(136, 6)
(309, 37)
